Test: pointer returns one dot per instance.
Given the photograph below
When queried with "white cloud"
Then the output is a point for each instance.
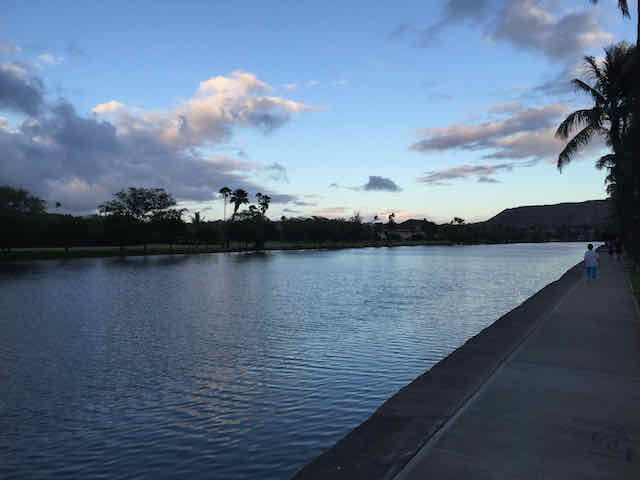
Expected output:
(528, 24)
(536, 25)
(524, 139)
(506, 107)
(376, 183)
(481, 172)
(106, 108)
(527, 133)
(236, 84)
(16, 69)
(82, 160)
(220, 104)
(294, 86)
(49, 59)
(9, 48)
(4, 123)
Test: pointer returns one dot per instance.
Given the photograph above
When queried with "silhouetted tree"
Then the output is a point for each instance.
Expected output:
(610, 117)
(263, 201)
(238, 197)
(20, 215)
(168, 225)
(610, 114)
(140, 203)
(18, 200)
(141, 212)
(226, 193)
(196, 218)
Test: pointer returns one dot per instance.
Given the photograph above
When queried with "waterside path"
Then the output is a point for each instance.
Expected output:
(550, 390)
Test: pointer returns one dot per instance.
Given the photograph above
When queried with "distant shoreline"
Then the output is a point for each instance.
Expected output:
(55, 253)
(46, 253)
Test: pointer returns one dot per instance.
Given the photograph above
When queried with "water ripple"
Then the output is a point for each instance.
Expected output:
(232, 366)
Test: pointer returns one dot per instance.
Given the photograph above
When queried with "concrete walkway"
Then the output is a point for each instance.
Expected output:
(566, 404)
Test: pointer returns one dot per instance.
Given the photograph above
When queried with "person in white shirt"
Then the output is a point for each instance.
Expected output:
(591, 261)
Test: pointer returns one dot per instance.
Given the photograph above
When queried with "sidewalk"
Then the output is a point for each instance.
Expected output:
(566, 404)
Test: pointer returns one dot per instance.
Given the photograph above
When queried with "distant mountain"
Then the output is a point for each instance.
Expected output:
(593, 213)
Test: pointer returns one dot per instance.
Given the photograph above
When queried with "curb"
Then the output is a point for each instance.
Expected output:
(383, 445)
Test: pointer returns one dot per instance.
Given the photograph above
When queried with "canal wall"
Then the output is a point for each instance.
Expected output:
(381, 446)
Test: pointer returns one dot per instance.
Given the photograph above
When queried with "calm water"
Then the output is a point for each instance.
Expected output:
(232, 366)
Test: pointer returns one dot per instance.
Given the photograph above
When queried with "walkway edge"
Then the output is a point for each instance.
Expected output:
(382, 446)
(403, 474)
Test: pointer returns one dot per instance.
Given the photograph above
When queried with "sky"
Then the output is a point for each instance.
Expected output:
(425, 109)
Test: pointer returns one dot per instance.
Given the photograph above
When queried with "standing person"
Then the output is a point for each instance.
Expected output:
(591, 261)
(618, 248)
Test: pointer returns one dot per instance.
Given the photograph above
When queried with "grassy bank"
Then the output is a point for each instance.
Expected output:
(45, 253)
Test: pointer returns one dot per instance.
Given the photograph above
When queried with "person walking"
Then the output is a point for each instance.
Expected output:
(591, 261)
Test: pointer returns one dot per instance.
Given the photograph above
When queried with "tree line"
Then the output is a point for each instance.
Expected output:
(144, 216)
(613, 85)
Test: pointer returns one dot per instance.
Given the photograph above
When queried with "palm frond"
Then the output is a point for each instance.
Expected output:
(582, 138)
(593, 69)
(592, 116)
(586, 88)
(624, 8)
(611, 182)
(622, 5)
(608, 161)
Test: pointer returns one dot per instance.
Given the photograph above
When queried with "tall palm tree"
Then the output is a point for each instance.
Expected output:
(238, 197)
(610, 114)
(624, 176)
(226, 193)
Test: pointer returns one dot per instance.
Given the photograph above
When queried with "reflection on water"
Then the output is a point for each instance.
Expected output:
(232, 365)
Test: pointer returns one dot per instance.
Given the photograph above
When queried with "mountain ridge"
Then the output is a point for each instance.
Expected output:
(593, 213)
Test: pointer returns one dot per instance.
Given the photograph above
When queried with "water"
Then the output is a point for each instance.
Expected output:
(232, 366)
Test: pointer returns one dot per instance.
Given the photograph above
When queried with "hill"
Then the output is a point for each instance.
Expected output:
(592, 213)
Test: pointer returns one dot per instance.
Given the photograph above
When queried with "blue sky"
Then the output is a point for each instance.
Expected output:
(425, 109)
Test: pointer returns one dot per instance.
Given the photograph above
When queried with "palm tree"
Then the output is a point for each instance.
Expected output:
(610, 114)
(610, 117)
(226, 193)
(238, 197)
(392, 219)
(263, 201)
(624, 177)
(196, 218)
